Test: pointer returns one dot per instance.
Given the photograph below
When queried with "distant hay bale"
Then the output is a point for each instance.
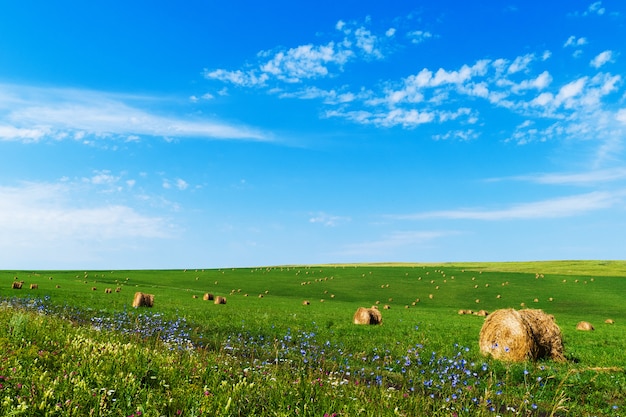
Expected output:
(609, 321)
(512, 335)
(118, 289)
(386, 306)
(219, 300)
(94, 289)
(367, 316)
(584, 326)
(143, 300)
(208, 297)
(461, 312)
(194, 296)
(17, 285)
(34, 286)
(481, 313)
(108, 290)
(306, 303)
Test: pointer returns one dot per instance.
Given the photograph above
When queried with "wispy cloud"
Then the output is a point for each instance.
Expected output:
(352, 41)
(33, 214)
(328, 220)
(581, 178)
(552, 208)
(394, 241)
(32, 114)
(601, 59)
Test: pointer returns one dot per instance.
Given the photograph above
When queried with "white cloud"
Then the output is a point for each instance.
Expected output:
(419, 36)
(521, 63)
(581, 178)
(32, 114)
(328, 220)
(554, 208)
(572, 41)
(394, 241)
(181, 184)
(601, 59)
(238, 77)
(36, 213)
(595, 8)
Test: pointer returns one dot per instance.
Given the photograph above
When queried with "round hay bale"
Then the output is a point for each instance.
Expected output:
(143, 300)
(219, 300)
(482, 313)
(306, 303)
(386, 307)
(547, 334)
(505, 335)
(367, 316)
(584, 326)
(609, 321)
(461, 312)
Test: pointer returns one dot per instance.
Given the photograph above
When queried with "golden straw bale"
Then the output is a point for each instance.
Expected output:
(461, 312)
(584, 326)
(513, 335)
(505, 335)
(118, 289)
(34, 286)
(482, 313)
(386, 306)
(17, 285)
(367, 316)
(108, 291)
(194, 296)
(219, 300)
(546, 333)
(143, 300)
(306, 303)
(208, 297)
(609, 321)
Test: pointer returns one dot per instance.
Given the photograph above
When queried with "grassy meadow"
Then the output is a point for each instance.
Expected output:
(69, 348)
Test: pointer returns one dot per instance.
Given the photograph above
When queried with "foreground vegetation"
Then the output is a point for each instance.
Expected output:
(68, 348)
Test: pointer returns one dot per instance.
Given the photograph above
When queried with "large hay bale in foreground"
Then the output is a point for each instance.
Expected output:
(219, 300)
(367, 316)
(143, 300)
(547, 334)
(513, 335)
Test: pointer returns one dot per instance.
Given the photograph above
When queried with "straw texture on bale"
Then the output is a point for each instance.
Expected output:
(367, 316)
(547, 334)
(16, 285)
(584, 326)
(517, 336)
(219, 300)
(143, 300)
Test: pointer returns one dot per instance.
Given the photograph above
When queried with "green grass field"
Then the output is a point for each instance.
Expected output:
(406, 366)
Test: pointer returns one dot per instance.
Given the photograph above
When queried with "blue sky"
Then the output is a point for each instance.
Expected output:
(161, 135)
